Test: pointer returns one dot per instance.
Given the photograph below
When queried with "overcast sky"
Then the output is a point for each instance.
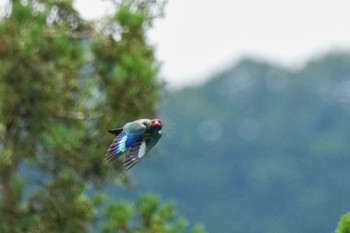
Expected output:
(197, 38)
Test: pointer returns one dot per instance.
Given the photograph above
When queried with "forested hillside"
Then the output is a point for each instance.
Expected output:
(258, 148)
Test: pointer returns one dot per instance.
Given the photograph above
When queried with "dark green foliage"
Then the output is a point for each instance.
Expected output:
(344, 224)
(147, 216)
(63, 83)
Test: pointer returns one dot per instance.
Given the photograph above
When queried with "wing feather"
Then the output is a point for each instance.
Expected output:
(136, 152)
(117, 148)
(152, 141)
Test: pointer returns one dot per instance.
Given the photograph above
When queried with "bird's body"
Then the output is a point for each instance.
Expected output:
(138, 137)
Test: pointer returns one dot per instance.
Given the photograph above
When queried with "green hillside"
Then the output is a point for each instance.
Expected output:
(258, 148)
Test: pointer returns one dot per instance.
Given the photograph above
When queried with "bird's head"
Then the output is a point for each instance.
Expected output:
(156, 124)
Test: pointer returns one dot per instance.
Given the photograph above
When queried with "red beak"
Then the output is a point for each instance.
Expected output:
(157, 124)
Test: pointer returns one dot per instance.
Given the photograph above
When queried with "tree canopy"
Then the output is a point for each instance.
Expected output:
(64, 81)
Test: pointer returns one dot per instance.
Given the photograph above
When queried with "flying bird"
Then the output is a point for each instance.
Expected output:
(137, 137)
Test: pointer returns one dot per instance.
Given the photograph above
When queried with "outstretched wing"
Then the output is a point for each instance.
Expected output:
(136, 152)
(120, 144)
(152, 141)
(125, 137)
(118, 147)
(140, 148)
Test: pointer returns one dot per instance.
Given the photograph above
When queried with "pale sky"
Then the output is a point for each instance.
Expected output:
(197, 38)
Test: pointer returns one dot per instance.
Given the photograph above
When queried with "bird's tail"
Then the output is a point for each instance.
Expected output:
(115, 132)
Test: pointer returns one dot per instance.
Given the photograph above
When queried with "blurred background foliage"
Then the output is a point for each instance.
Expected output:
(344, 224)
(259, 147)
(63, 82)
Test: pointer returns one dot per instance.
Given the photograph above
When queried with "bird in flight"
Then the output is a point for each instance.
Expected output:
(137, 137)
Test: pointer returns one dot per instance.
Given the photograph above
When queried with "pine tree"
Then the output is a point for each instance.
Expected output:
(63, 82)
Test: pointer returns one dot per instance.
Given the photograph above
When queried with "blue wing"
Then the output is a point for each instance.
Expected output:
(140, 148)
(120, 144)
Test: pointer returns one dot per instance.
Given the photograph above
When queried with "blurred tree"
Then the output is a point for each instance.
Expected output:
(150, 216)
(63, 81)
(344, 224)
